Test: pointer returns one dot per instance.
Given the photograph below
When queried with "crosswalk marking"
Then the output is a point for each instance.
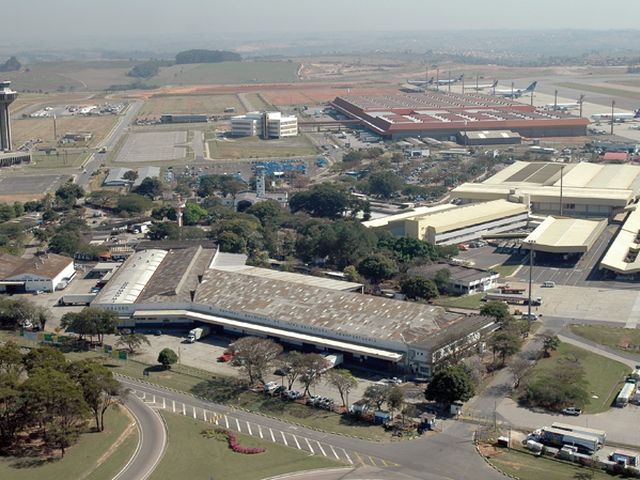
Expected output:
(249, 428)
(204, 414)
(273, 439)
(194, 413)
(174, 405)
(359, 458)
(372, 461)
(238, 425)
(321, 449)
(260, 431)
(184, 410)
(347, 455)
(296, 440)
(284, 439)
(164, 405)
(226, 421)
(309, 445)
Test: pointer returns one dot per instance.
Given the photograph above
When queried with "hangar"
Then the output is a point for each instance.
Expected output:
(622, 256)
(443, 115)
(39, 273)
(586, 189)
(159, 287)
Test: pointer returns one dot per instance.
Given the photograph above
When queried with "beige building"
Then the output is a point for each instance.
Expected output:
(622, 257)
(565, 235)
(265, 125)
(588, 189)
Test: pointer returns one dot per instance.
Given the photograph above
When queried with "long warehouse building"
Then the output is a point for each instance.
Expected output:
(186, 287)
(443, 115)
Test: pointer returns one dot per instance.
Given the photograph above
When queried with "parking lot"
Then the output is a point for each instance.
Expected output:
(203, 355)
(153, 147)
(23, 187)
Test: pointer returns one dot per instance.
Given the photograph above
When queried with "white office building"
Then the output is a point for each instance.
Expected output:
(265, 125)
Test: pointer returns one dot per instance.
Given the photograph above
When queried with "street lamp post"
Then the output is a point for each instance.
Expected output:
(531, 253)
(561, 185)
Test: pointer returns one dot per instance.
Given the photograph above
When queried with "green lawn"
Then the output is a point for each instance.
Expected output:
(623, 339)
(226, 73)
(81, 460)
(188, 452)
(69, 160)
(525, 466)
(473, 302)
(506, 270)
(604, 376)
(254, 147)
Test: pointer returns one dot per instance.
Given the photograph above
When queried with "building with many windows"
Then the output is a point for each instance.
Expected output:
(265, 125)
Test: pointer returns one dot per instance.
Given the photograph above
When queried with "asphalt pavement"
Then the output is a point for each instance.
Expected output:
(151, 444)
(446, 455)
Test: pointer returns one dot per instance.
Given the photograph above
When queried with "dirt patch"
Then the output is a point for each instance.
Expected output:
(487, 450)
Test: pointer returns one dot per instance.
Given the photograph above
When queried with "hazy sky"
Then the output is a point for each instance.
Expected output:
(60, 20)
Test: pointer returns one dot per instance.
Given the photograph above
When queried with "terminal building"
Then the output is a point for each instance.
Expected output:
(565, 236)
(586, 189)
(443, 115)
(622, 256)
(264, 125)
(453, 224)
(195, 286)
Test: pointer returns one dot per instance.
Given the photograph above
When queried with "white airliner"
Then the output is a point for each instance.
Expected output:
(514, 92)
(561, 106)
(482, 86)
(617, 117)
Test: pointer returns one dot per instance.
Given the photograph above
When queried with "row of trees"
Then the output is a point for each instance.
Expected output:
(90, 322)
(16, 312)
(43, 395)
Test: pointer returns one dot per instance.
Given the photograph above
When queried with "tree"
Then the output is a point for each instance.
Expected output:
(65, 243)
(44, 357)
(377, 267)
(150, 187)
(231, 242)
(343, 381)
(385, 183)
(194, 214)
(550, 343)
(91, 321)
(164, 231)
(395, 399)
(419, 287)
(498, 310)
(351, 274)
(292, 365)
(132, 341)
(133, 203)
(376, 394)
(442, 279)
(42, 315)
(99, 389)
(519, 367)
(130, 175)
(255, 356)
(323, 200)
(314, 366)
(167, 357)
(57, 403)
(268, 212)
(449, 385)
(67, 194)
(407, 249)
(11, 365)
(505, 343)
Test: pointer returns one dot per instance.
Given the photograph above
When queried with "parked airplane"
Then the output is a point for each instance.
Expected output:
(634, 127)
(481, 86)
(421, 83)
(450, 81)
(617, 117)
(561, 106)
(514, 92)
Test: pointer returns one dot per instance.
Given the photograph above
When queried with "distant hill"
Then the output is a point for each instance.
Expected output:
(11, 65)
(147, 69)
(206, 56)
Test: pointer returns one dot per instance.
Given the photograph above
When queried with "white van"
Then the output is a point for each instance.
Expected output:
(549, 284)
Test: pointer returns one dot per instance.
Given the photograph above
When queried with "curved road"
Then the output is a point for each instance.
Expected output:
(447, 455)
(151, 444)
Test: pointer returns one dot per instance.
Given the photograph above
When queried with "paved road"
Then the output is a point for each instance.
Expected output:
(151, 444)
(434, 457)
(109, 143)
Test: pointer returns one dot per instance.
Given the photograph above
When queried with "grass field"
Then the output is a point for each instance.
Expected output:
(59, 160)
(506, 270)
(53, 76)
(188, 452)
(30, 128)
(604, 90)
(86, 459)
(226, 72)
(623, 339)
(604, 376)
(209, 104)
(525, 466)
(258, 101)
(254, 147)
(464, 301)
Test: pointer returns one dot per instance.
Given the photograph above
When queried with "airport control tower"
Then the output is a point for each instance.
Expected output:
(7, 96)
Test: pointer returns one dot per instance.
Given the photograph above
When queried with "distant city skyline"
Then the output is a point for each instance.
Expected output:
(64, 21)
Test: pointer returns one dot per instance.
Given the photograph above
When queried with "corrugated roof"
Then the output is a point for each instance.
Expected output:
(623, 255)
(467, 215)
(47, 266)
(565, 235)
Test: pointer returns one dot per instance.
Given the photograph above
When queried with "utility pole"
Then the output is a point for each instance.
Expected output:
(449, 80)
(613, 106)
(512, 89)
(580, 101)
(555, 100)
(531, 253)
(438, 79)
(477, 84)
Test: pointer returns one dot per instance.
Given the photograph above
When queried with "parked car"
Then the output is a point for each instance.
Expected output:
(279, 391)
(293, 394)
(549, 284)
(532, 317)
(571, 411)
(270, 387)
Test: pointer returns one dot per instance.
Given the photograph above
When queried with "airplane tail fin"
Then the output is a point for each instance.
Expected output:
(637, 114)
(532, 87)
(495, 84)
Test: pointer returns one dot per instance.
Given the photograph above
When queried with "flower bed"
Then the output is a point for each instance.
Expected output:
(232, 440)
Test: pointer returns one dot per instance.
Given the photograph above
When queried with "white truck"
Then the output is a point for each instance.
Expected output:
(333, 359)
(556, 437)
(198, 333)
(626, 394)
